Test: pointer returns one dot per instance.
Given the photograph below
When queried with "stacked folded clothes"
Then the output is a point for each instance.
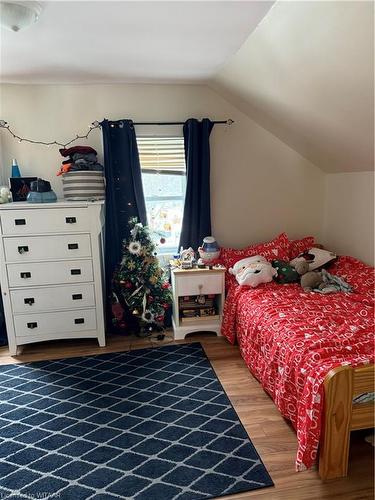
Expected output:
(79, 158)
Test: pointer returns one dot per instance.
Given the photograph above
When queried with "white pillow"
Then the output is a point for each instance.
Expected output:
(316, 257)
(253, 271)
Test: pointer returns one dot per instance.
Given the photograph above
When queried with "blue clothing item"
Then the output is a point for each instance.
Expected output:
(332, 284)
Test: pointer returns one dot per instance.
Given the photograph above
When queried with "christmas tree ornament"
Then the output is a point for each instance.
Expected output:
(117, 309)
(187, 257)
(135, 247)
(147, 316)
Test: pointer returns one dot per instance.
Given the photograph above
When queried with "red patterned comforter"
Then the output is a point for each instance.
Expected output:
(291, 339)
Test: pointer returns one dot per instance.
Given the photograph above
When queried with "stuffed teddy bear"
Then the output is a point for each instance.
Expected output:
(253, 271)
(309, 279)
(307, 265)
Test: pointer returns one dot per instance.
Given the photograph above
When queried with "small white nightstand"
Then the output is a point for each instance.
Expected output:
(195, 282)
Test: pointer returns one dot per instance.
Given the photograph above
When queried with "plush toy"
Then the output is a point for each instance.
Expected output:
(285, 272)
(312, 280)
(324, 282)
(307, 265)
(302, 267)
(4, 194)
(253, 271)
(309, 279)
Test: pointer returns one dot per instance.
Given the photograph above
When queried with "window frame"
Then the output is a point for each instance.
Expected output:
(163, 252)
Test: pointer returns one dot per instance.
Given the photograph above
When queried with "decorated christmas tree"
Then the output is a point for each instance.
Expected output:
(141, 292)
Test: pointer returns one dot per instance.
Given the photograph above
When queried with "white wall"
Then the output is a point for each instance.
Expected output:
(307, 75)
(260, 186)
(2, 132)
(2, 177)
(348, 226)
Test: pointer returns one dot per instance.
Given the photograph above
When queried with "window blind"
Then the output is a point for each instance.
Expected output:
(162, 154)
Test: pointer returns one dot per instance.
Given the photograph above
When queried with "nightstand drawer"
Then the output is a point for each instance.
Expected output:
(201, 284)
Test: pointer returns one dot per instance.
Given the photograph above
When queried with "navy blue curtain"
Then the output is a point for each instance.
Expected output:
(124, 192)
(196, 222)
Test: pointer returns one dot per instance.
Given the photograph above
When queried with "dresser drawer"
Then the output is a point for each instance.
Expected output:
(49, 273)
(201, 284)
(39, 221)
(55, 322)
(32, 300)
(25, 248)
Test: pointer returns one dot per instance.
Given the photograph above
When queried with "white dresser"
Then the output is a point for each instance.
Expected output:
(51, 271)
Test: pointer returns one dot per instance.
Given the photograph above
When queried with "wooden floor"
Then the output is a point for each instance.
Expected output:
(272, 436)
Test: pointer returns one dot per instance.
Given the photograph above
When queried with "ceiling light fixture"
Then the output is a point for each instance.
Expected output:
(16, 15)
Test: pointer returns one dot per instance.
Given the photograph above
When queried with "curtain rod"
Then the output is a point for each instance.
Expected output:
(216, 122)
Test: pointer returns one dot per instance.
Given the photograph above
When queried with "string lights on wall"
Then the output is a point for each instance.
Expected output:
(5, 125)
(95, 125)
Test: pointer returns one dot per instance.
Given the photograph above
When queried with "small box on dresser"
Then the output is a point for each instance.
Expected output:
(197, 283)
(51, 271)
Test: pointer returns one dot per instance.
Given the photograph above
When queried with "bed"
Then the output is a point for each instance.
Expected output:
(313, 354)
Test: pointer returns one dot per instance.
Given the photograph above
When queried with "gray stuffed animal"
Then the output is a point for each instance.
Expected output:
(309, 279)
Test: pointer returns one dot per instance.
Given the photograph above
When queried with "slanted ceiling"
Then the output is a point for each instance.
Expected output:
(304, 70)
(306, 74)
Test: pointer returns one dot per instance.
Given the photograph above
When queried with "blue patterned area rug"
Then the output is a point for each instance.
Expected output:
(150, 424)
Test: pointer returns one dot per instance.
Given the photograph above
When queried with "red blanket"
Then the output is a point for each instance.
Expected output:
(291, 339)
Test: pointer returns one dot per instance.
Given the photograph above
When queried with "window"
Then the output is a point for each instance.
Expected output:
(164, 184)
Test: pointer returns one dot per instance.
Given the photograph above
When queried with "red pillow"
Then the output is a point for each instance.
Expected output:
(299, 246)
(278, 248)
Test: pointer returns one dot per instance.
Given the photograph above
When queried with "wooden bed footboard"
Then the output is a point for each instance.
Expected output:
(341, 416)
